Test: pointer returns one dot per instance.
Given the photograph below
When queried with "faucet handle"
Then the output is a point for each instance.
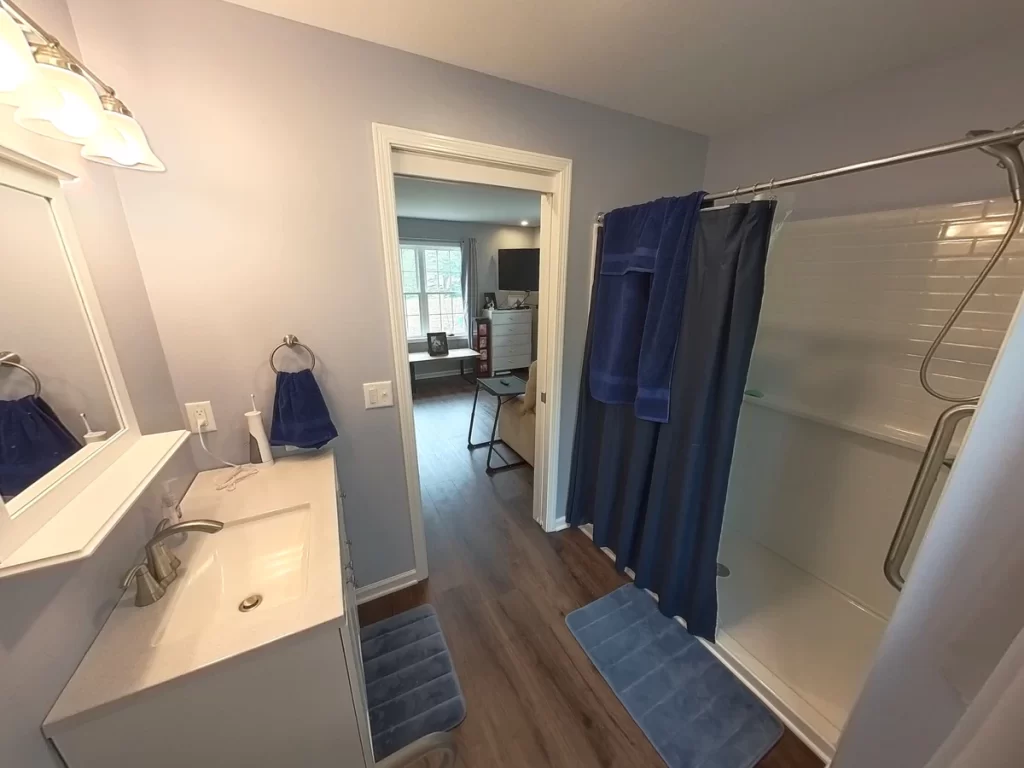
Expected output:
(147, 589)
(161, 548)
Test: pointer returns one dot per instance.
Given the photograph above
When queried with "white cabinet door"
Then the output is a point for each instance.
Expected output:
(352, 642)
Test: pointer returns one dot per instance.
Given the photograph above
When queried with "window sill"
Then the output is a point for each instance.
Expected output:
(83, 523)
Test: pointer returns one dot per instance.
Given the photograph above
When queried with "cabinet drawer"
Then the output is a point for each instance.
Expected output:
(506, 363)
(516, 317)
(511, 340)
(521, 347)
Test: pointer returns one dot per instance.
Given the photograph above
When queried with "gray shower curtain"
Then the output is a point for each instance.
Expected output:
(655, 493)
(470, 288)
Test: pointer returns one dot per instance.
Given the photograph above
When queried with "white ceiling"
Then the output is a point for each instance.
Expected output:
(449, 201)
(698, 64)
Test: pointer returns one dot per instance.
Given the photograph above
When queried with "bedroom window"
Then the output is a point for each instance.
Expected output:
(432, 283)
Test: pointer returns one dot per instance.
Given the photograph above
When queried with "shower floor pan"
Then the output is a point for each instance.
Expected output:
(801, 645)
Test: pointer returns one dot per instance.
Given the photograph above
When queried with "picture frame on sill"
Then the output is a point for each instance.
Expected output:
(437, 344)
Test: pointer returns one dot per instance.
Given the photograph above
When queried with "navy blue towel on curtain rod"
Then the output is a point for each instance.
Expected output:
(654, 492)
(644, 266)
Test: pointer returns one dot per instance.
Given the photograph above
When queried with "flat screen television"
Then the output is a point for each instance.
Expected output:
(519, 269)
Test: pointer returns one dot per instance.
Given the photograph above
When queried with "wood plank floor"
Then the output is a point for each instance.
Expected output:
(502, 588)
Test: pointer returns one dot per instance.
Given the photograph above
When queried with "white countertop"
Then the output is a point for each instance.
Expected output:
(126, 657)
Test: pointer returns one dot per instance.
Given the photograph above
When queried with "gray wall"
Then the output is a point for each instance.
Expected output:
(266, 222)
(51, 618)
(911, 108)
(99, 219)
(490, 238)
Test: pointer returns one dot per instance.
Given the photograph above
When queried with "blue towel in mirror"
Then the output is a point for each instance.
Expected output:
(300, 417)
(32, 442)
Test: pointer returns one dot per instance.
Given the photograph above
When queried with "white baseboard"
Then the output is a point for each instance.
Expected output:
(560, 525)
(385, 586)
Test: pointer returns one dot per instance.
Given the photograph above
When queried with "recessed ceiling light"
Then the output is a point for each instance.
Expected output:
(524, 223)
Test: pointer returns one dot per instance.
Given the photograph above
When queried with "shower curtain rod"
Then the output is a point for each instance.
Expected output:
(972, 142)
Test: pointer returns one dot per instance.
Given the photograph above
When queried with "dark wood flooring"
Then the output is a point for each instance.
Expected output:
(502, 588)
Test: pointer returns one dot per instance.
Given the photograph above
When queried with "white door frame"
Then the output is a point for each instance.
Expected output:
(415, 153)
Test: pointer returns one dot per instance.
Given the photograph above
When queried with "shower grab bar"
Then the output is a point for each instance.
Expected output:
(921, 490)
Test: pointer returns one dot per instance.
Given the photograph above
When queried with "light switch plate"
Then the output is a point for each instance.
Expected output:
(377, 394)
(193, 410)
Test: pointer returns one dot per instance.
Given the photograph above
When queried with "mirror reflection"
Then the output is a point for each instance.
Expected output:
(54, 394)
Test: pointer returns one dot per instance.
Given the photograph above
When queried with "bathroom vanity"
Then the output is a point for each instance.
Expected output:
(251, 658)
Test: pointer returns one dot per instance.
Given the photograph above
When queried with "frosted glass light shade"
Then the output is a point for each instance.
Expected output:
(17, 65)
(62, 105)
(120, 141)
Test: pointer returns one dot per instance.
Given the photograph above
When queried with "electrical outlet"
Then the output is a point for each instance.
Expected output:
(200, 413)
(377, 394)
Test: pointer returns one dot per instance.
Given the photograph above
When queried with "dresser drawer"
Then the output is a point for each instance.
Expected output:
(513, 350)
(507, 363)
(512, 341)
(512, 317)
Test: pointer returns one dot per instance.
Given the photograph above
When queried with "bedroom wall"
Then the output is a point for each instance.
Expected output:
(490, 238)
(266, 221)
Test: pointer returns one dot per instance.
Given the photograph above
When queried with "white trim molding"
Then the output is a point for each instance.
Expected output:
(36, 506)
(81, 525)
(417, 153)
(385, 587)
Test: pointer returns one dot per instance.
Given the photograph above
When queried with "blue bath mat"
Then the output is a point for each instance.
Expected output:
(411, 687)
(693, 710)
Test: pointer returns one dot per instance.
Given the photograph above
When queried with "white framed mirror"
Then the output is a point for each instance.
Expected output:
(57, 361)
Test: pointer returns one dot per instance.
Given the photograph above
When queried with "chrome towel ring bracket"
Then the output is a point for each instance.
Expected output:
(291, 341)
(13, 360)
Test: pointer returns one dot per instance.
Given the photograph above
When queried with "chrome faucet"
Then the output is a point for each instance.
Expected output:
(161, 567)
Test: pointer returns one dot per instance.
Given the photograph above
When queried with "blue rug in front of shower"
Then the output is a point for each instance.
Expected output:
(693, 710)
(411, 686)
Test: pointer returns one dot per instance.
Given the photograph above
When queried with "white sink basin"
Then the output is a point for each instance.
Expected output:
(266, 556)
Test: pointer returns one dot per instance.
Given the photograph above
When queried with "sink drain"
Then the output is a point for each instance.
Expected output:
(250, 603)
(722, 570)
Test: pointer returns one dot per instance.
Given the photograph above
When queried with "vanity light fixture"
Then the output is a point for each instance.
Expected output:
(17, 66)
(524, 223)
(62, 104)
(120, 140)
(60, 97)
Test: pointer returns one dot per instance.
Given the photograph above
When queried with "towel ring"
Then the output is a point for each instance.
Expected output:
(292, 341)
(13, 360)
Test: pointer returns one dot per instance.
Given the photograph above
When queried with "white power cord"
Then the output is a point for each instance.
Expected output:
(240, 473)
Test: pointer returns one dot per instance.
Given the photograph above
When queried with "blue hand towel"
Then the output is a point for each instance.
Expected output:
(639, 303)
(32, 442)
(301, 417)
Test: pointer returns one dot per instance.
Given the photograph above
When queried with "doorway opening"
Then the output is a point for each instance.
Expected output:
(475, 239)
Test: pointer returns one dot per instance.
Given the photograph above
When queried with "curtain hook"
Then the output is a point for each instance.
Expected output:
(736, 195)
(771, 187)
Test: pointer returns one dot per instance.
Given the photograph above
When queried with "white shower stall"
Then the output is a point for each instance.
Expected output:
(832, 431)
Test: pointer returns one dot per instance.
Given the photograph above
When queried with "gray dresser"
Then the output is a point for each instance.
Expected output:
(511, 338)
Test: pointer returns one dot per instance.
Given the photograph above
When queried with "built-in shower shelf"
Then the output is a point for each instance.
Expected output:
(892, 435)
